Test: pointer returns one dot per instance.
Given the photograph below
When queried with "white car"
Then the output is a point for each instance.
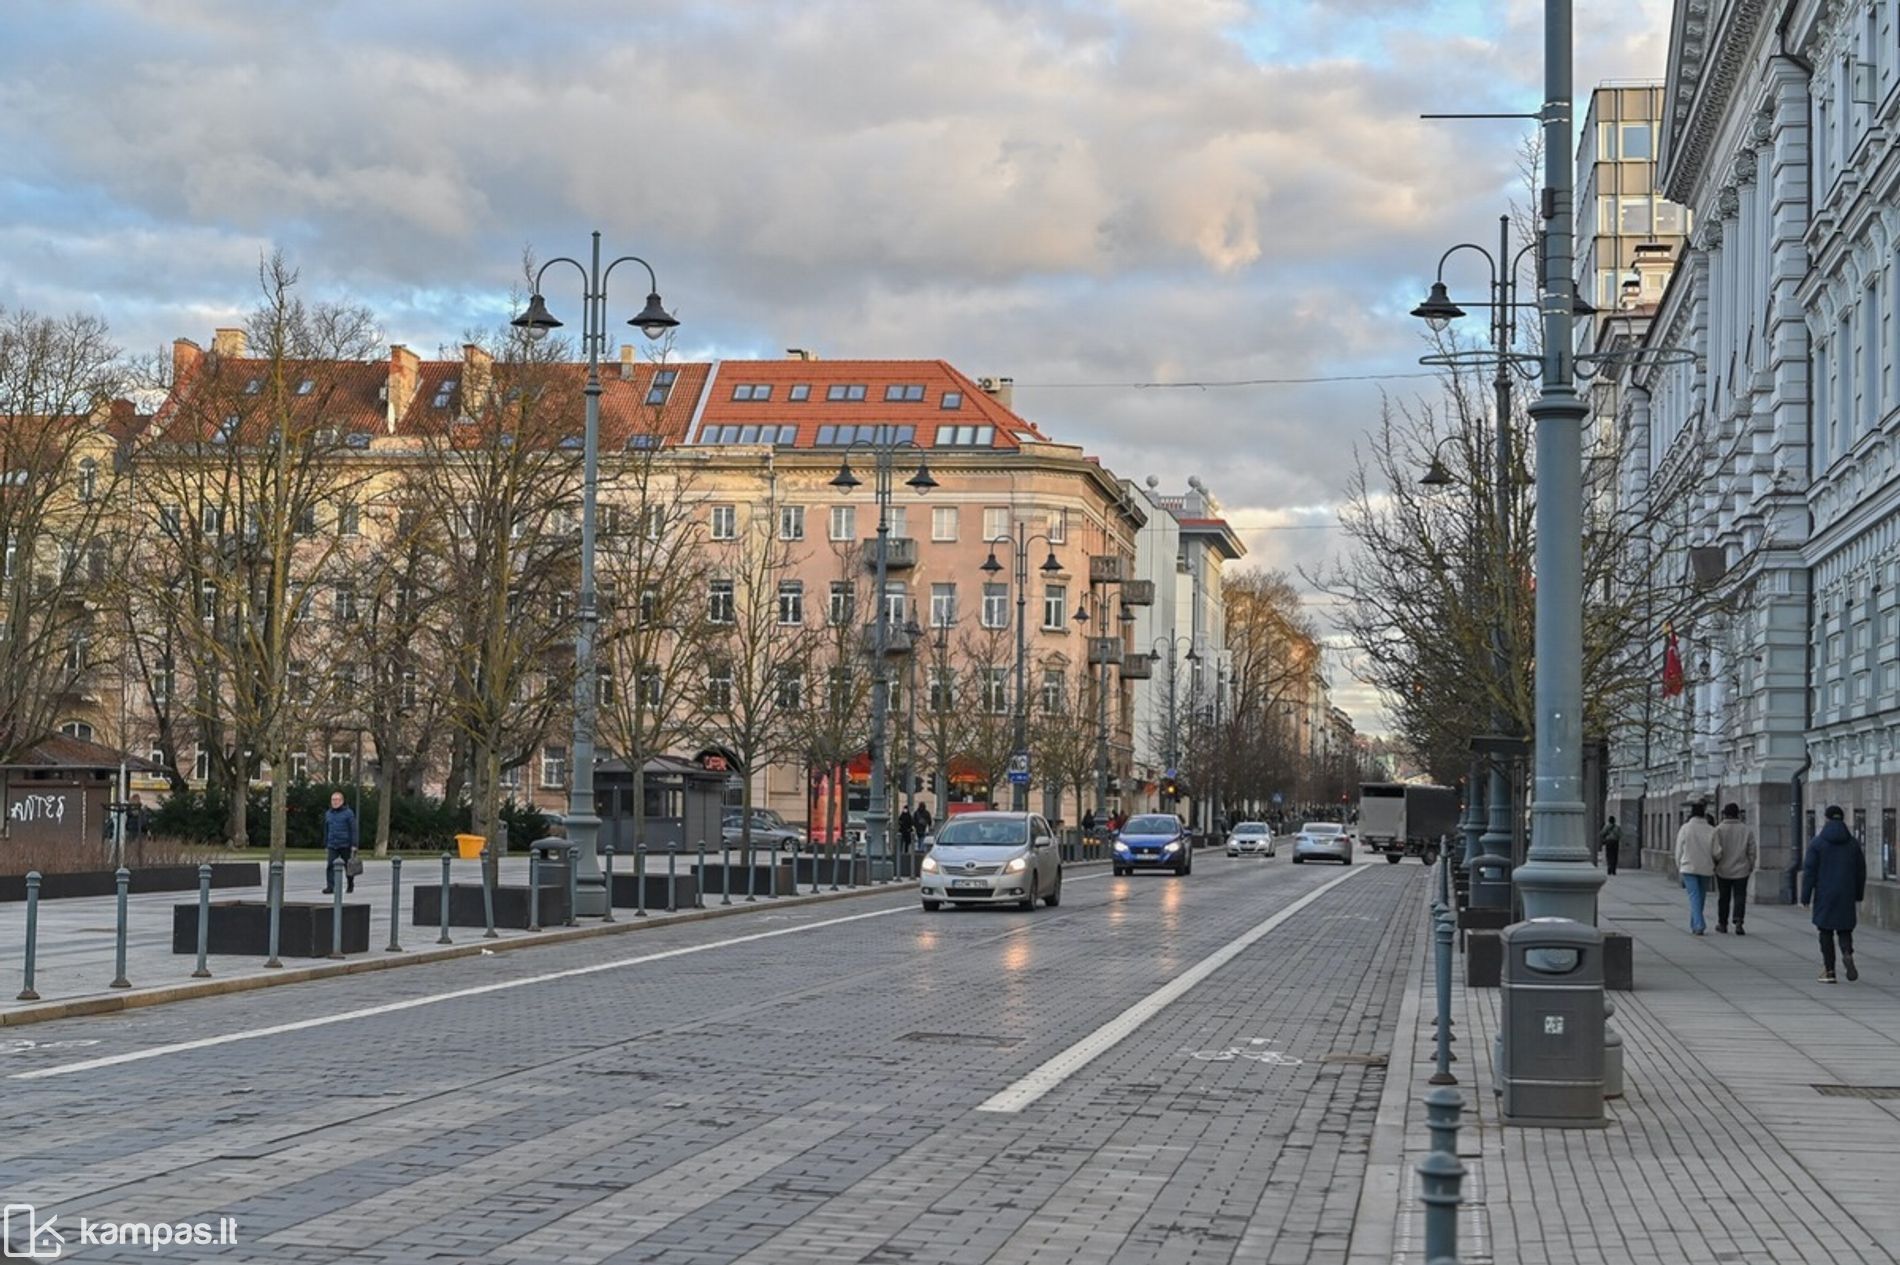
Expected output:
(991, 859)
(1250, 838)
(1322, 839)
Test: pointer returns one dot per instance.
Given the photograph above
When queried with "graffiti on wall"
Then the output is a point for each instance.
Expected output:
(27, 809)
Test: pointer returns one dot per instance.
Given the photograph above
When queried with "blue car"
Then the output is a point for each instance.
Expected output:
(1154, 841)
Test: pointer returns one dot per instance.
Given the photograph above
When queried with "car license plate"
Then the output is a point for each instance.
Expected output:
(968, 883)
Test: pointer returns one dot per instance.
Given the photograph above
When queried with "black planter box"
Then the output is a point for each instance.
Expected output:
(626, 889)
(241, 928)
(511, 905)
(713, 879)
(151, 878)
(847, 870)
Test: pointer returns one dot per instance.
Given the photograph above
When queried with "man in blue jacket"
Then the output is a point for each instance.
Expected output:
(1834, 881)
(339, 842)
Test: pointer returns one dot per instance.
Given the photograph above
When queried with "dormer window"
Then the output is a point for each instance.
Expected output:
(253, 386)
(848, 391)
(306, 386)
(752, 391)
(951, 400)
(800, 392)
(903, 393)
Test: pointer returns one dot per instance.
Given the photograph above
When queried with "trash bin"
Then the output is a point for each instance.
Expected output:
(1550, 1028)
(469, 847)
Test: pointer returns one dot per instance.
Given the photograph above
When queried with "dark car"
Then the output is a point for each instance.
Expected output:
(1154, 841)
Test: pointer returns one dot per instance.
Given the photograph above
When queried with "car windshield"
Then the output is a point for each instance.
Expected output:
(984, 832)
(1320, 828)
(1154, 825)
(1251, 828)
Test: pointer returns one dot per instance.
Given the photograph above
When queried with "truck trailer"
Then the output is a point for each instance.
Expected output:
(1401, 819)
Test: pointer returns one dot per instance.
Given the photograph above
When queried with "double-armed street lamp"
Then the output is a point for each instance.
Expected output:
(1098, 598)
(583, 824)
(884, 456)
(1019, 779)
(1172, 646)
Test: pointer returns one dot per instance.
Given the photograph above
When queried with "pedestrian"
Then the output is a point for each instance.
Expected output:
(1695, 859)
(339, 842)
(1737, 853)
(135, 818)
(906, 828)
(1833, 882)
(1088, 823)
(920, 819)
(1612, 841)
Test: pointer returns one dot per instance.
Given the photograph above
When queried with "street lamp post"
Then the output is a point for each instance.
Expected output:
(914, 635)
(1174, 751)
(877, 821)
(583, 825)
(1019, 791)
(1098, 599)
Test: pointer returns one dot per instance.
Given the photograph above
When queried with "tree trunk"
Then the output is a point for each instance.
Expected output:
(279, 804)
(385, 798)
(237, 827)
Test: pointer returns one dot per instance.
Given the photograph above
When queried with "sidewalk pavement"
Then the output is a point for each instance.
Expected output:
(76, 936)
(1760, 1121)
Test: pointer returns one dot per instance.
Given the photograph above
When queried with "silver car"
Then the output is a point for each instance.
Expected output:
(1250, 838)
(1322, 840)
(991, 859)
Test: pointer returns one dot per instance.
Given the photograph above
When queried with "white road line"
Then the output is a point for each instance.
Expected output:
(1099, 1042)
(203, 1043)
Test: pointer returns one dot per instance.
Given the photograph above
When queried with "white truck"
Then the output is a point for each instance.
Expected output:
(1402, 819)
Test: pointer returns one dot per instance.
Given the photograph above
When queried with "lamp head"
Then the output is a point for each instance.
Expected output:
(844, 478)
(537, 320)
(990, 565)
(1051, 564)
(1438, 310)
(653, 320)
(1081, 615)
(921, 480)
(1128, 616)
(1437, 476)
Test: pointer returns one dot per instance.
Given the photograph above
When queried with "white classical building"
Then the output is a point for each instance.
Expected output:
(1778, 134)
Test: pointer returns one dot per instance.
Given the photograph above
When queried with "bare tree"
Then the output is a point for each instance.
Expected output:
(835, 724)
(988, 687)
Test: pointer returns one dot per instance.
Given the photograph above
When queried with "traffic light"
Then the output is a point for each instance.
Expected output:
(1170, 788)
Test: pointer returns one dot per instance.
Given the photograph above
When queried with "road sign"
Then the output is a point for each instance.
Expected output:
(1278, 799)
(1019, 768)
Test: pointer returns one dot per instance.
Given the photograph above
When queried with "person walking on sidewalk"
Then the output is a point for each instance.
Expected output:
(1696, 855)
(339, 842)
(1612, 841)
(1735, 865)
(1833, 882)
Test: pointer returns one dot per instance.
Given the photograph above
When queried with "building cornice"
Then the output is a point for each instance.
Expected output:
(1707, 52)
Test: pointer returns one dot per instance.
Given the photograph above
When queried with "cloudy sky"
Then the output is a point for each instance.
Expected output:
(1079, 194)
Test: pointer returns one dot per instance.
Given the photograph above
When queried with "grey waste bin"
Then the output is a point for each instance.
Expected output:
(1550, 1029)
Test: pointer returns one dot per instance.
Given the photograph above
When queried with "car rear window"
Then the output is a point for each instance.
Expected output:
(1320, 828)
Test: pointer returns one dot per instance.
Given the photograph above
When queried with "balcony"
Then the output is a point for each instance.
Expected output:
(1138, 592)
(1107, 568)
(1104, 650)
(896, 640)
(1138, 667)
(900, 553)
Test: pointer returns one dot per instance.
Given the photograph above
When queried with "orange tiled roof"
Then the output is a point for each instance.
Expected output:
(624, 411)
(805, 419)
(345, 394)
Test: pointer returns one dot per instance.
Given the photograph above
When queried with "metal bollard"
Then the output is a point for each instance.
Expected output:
(725, 863)
(1441, 933)
(27, 992)
(488, 897)
(640, 880)
(1612, 1052)
(725, 876)
(672, 878)
(851, 867)
(607, 873)
(274, 897)
(204, 920)
(123, 880)
(395, 903)
(444, 911)
(771, 875)
(1441, 1176)
(834, 867)
(337, 880)
(573, 880)
(814, 870)
(534, 890)
(751, 876)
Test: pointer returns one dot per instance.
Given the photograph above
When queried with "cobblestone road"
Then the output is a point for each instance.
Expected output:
(796, 1086)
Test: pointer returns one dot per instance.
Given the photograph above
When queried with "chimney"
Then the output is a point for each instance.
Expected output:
(405, 379)
(626, 362)
(799, 353)
(477, 367)
(186, 357)
(1002, 390)
(228, 343)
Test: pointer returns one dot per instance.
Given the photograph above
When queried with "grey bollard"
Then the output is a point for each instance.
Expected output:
(534, 889)
(672, 878)
(725, 875)
(274, 898)
(834, 867)
(444, 911)
(851, 866)
(751, 876)
(395, 903)
(1612, 1052)
(573, 880)
(488, 896)
(204, 921)
(1441, 1175)
(607, 874)
(1442, 935)
(337, 880)
(771, 875)
(640, 880)
(814, 870)
(123, 880)
(27, 992)
(725, 864)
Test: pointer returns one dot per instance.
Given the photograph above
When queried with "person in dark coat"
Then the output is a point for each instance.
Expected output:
(906, 828)
(339, 841)
(920, 820)
(1833, 882)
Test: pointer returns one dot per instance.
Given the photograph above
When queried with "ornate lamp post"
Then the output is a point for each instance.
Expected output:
(1193, 656)
(583, 825)
(1019, 790)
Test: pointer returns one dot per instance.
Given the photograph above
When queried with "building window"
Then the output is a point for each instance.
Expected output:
(898, 521)
(1055, 608)
(649, 607)
(343, 603)
(297, 682)
(1637, 143)
(342, 768)
(725, 522)
(951, 400)
(662, 387)
(212, 520)
(903, 393)
(300, 766)
(650, 693)
(844, 601)
(844, 522)
(896, 603)
(306, 522)
(719, 685)
(852, 392)
(1053, 691)
(943, 605)
(348, 519)
(943, 522)
(201, 765)
(996, 690)
(752, 391)
(77, 729)
(791, 689)
(553, 767)
(800, 392)
(965, 436)
(88, 479)
(604, 686)
(996, 606)
(410, 683)
(510, 778)
(942, 690)
(791, 602)
(1633, 215)
(171, 520)
(791, 522)
(1056, 525)
(996, 522)
(719, 606)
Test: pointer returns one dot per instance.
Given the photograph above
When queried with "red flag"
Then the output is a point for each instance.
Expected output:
(1672, 679)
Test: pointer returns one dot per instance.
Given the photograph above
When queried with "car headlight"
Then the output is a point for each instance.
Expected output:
(1016, 865)
(1173, 847)
(930, 864)
(1120, 846)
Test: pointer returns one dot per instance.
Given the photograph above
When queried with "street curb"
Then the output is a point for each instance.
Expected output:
(138, 999)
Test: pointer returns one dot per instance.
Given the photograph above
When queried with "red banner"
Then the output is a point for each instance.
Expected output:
(1672, 678)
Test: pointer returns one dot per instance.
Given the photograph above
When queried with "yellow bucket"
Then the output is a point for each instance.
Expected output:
(470, 846)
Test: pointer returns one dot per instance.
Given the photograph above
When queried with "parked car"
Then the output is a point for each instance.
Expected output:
(1323, 840)
(1154, 841)
(989, 859)
(768, 828)
(1250, 838)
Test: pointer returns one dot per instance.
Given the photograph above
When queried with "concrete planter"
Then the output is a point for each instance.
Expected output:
(241, 928)
(151, 878)
(626, 892)
(712, 879)
(465, 905)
